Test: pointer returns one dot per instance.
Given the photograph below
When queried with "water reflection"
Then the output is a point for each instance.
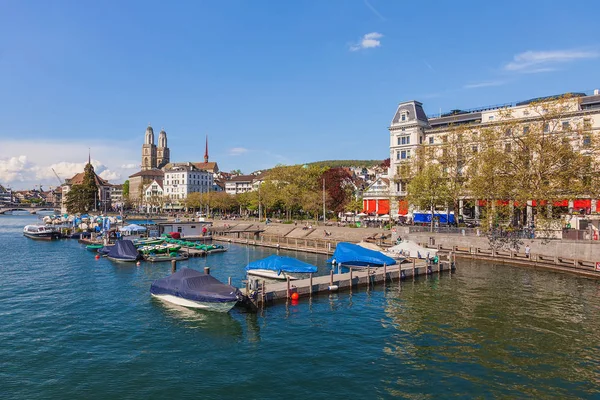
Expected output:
(213, 323)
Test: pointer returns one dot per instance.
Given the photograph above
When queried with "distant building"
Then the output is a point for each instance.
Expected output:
(376, 198)
(103, 200)
(6, 196)
(153, 197)
(141, 179)
(182, 179)
(116, 197)
(239, 184)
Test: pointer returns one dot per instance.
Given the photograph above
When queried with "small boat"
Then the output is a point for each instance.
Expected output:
(165, 257)
(190, 288)
(94, 247)
(408, 248)
(123, 251)
(280, 268)
(148, 241)
(41, 232)
(353, 255)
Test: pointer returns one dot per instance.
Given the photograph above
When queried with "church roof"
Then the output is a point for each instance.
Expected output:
(207, 166)
(78, 179)
(149, 173)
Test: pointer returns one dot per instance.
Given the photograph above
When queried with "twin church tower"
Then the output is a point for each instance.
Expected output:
(152, 156)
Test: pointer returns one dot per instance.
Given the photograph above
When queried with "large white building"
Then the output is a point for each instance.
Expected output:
(411, 129)
(182, 179)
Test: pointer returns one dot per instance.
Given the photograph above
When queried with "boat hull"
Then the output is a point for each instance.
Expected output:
(43, 236)
(209, 306)
(267, 273)
(121, 259)
(165, 258)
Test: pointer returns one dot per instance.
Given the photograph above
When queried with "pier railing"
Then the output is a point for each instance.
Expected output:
(565, 264)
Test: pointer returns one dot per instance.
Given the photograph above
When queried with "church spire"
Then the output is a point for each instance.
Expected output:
(89, 156)
(206, 151)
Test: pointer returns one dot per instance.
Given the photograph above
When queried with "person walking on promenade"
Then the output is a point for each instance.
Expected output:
(527, 251)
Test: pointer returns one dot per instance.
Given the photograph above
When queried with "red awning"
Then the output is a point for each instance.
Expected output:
(369, 206)
(582, 203)
(383, 207)
(402, 207)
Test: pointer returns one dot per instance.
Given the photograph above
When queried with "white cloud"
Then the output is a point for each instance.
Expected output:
(130, 166)
(27, 163)
(542, 61)
(483, 84)
(237, 151)
(370, 40)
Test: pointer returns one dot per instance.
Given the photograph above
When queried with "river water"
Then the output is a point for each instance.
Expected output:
(74, 327)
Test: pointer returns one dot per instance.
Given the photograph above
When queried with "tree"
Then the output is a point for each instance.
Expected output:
(126, 189)
(428, 189)
(82, 198)
(236, 172)
(338, 185)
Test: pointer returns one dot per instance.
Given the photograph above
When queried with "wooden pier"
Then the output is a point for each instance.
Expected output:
(260, 293)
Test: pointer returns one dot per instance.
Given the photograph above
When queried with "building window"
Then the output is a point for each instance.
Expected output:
(546, 127)
(474, 149)
(405, 154)
(491, 118)
(398, 140)
(403, 117)
(565, 126)
(430, 139)
(508, 132)
(507, 147)
(526, 129)
(587, 141)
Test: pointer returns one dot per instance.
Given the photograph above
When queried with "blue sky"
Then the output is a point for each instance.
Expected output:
(268, 81)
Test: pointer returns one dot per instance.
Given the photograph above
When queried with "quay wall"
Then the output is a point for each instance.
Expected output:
(576, 249)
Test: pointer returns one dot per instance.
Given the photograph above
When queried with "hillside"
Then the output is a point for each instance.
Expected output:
(347, 163)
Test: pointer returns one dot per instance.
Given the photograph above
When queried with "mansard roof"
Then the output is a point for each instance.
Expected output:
(413, 111)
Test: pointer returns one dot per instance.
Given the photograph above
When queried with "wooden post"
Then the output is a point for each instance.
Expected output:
(229, 281)
(263, 294)
(350, 278)
(311, 285)
(173, 266)
(331, 277)
(384, 273)
(413, 268)
(247, 288)
(207, 270)
(368, 276)
(288, 286)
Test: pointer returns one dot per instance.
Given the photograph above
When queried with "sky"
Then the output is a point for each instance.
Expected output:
(269, 82)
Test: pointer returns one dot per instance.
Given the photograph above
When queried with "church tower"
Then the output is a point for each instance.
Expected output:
(162, 151)
(206, 150)
(149, 150)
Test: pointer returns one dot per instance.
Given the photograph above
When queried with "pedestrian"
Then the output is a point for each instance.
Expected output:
(527, 251)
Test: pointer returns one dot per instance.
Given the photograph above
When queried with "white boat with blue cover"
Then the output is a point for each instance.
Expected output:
(353, 255)
(190, 288)
(279, 267)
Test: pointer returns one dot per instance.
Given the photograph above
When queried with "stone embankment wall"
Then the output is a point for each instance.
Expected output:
(577, 249)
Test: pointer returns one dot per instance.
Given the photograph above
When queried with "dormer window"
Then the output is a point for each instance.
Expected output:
(404, 116)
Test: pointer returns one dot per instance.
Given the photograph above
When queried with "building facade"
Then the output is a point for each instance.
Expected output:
(182, 179)
(412, 131)
(239, 184)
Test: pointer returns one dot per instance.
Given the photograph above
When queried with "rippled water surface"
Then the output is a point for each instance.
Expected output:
(74, 327)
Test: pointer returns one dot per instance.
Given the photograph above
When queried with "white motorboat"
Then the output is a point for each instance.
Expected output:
(411, 249)
(41, 232)
(279, 268)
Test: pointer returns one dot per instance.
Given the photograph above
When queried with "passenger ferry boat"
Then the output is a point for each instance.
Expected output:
(41, 232)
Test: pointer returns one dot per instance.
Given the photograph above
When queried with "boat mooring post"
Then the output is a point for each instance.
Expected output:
(311, 285)
(413, 268)
(331, 277)
(207, 270)
(368, 277)
(384, 273)
(229, 281)
(173, 266)
(288, 286)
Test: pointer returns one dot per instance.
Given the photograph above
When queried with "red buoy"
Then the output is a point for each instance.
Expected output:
(295, 296)
(97, 256)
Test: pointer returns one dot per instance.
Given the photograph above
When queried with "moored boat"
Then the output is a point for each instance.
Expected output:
(190, 288)
(94, 247)
(165, 257)
(279, 268)
(352, 255)
(41, 232)
(123, 251)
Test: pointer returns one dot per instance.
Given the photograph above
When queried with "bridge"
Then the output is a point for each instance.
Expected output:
(29, 209)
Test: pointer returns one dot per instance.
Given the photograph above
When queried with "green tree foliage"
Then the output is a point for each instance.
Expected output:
(429, 188)
(82, 198)
(126, 189)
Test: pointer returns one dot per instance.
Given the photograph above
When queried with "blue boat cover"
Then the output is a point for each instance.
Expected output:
(426, 218)
(194, 285)
(279, 264)
(123, 250)
(352, 254)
